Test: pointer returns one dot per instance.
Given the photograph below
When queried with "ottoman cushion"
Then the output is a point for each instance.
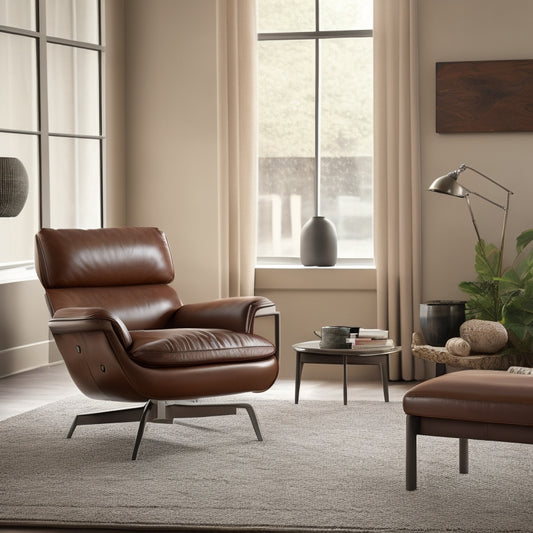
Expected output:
(489, 396)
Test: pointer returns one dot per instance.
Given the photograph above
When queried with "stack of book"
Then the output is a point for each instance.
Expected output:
(370, 340)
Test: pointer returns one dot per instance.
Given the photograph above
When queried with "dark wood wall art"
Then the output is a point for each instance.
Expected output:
(485, 96)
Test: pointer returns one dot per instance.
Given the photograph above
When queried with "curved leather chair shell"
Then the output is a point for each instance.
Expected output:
(123, 331)
(104, 370)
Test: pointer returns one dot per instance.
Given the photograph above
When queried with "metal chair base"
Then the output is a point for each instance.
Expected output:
(160, 412)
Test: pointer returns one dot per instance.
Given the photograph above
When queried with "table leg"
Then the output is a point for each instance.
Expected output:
(463, 456)
(345, 391)
(299, 366)
(440, 369)
(384, 368)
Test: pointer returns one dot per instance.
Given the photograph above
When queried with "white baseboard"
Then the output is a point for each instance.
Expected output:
(22, 358)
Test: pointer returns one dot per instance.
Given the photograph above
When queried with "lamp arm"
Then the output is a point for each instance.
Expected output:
(467, 198)
(504, 227)
(464, 192)
(505, 208)
(463, 167)
(488, 199)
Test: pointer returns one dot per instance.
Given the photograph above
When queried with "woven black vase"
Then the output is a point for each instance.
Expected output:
(13, 186)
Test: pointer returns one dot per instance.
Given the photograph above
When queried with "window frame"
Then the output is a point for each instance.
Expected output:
(43, 133)
(317, 35)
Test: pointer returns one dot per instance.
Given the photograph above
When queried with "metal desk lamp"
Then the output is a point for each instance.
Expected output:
(448, 184)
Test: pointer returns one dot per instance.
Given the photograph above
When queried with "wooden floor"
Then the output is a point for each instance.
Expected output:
(28, 390)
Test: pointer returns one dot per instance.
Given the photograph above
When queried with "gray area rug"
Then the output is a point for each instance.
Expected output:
(322, 467)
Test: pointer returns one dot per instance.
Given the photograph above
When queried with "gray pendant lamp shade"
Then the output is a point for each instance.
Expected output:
(448, 185)
(13, 186)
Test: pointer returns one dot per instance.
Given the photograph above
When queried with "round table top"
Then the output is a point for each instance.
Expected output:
(314, 347)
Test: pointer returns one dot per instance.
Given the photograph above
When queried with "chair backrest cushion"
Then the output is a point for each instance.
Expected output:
(124, 270)
(102, 257)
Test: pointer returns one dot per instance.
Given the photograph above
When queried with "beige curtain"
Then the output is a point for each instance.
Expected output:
(237, 138)
(397, 178)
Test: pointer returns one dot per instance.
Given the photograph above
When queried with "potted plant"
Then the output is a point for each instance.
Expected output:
(504, 294)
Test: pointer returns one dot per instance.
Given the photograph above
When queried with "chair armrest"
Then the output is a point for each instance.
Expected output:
(75, 319)
(235, 314)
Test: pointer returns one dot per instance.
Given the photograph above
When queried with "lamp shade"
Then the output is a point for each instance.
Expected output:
(13, 186)
(448, 185)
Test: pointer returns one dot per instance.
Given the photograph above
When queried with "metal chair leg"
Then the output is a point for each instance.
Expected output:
(198, 411)
(132, 414)
(140, 431)
(253, 419)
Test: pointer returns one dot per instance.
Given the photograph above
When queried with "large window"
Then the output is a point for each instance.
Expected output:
(315, 125)
(51, 116)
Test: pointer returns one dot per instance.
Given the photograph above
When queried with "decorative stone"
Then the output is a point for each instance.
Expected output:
(484, 336)
(497, 361)
(418, 339)
(458, 346)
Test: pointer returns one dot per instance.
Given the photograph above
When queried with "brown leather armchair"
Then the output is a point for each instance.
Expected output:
(125, 335)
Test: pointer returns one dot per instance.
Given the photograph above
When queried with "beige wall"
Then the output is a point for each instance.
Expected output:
(115, 112)
(171, 162)
(309, 298)
(470, 30)
(23, 327)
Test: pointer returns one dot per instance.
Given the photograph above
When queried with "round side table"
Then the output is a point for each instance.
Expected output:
(310, 352)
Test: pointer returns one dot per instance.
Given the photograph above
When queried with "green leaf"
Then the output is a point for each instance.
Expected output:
(484, 302)
(487, 260)
(523, 240)
(518, 318)
(506, 295)
(524, 267)
(470, 287)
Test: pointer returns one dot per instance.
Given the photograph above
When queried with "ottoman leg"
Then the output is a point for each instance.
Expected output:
(463, 456)
(412, 427)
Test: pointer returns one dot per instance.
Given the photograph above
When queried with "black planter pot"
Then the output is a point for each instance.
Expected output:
(440, 320)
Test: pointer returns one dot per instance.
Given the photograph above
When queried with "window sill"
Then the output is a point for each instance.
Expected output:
(293, 277)
(13, 273)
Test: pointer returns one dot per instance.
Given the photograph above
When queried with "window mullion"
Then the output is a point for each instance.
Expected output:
(317, 127)
(103, 133)
(44, 141)
(317, 110)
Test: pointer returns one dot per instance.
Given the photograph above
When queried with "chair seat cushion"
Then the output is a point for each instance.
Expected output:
(191, 347)
(490, 396)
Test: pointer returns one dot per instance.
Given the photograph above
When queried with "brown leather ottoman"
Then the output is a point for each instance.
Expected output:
(470, 404)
